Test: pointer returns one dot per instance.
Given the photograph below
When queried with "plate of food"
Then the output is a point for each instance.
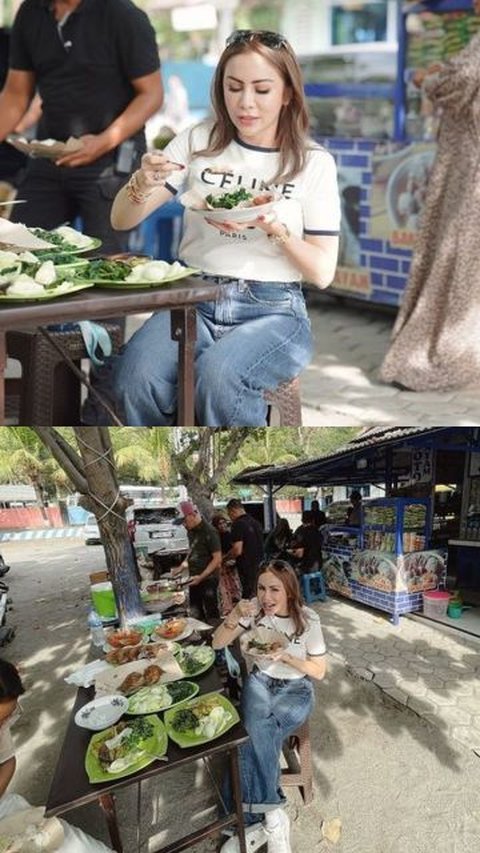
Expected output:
(134, 273)
(195, 660)
(125, 748)
(238, 205)
(124, 637)
(160, 600)
(159, 697)
(52, 149)
(200, 720)
(21, 290)
(144, 651)
(127, 678)
(65, 239)
(174, 629)
(262, 642)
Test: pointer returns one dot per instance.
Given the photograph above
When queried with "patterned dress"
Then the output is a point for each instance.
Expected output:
(436, 338)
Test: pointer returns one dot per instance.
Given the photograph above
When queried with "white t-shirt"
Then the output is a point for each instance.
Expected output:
(311, 642)
(309, 204)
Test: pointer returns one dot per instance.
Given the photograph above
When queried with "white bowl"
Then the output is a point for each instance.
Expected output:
(102, 713)
(191, 200)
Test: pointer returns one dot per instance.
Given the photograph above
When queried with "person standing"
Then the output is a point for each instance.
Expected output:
(95, 65)
(436, 338)
(203, 562)
(319, 516)
(247, 545)
(229, 586)
(354, 511)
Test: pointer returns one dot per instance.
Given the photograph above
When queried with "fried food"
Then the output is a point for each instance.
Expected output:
(152, 674)
(171, 629)
(119, 639)
(131, 683)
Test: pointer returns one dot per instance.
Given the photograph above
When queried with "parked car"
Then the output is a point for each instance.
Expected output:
(91, 533)
(152, 529)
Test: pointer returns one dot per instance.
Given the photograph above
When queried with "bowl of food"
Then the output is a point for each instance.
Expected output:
(172, 629)
(238, 205)
(125, 637)
(262, 642)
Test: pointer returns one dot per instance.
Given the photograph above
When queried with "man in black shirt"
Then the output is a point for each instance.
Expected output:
(203, 562)
(96, 67)
(247, 545)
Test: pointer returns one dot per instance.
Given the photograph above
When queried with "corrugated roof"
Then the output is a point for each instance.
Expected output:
(339, 463)
(14, 492)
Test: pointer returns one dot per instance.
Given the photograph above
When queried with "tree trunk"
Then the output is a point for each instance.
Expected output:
(94, 476)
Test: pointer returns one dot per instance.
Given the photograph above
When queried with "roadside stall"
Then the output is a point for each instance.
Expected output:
(366, 110)
(422, 537)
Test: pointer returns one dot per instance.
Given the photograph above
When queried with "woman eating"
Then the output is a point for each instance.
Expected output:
(277, 697)
(257, 334)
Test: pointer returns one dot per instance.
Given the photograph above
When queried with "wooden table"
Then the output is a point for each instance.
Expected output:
(100, 304)
(70, 787)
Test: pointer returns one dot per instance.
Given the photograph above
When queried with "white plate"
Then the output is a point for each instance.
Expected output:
(235, 214)
(102, 713)
(183, 636)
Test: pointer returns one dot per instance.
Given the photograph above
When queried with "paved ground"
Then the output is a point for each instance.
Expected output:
(340, 387)
(397, 782)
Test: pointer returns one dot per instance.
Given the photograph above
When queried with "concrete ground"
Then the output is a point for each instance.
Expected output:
(396, 781)
(340, 387)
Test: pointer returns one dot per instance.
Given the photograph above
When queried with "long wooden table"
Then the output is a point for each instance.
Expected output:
(70, 787)
(99, 304)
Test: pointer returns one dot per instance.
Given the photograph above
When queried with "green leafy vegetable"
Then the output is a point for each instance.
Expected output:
(184, 720)
(229, 200)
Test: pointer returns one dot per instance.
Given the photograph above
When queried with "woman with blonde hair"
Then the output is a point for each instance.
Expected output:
(257, 334)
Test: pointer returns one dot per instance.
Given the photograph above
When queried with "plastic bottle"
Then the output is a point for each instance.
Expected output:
(95, 625)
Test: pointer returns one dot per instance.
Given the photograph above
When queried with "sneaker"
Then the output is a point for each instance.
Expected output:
(255, 838)
(278, 838)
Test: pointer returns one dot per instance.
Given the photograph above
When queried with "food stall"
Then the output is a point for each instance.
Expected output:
(386, 561)
(367, 112)
(422, 536)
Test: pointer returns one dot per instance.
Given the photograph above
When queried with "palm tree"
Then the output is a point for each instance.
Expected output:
(24, 459)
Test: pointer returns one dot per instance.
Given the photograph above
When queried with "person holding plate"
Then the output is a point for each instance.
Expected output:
(277, 698)
(95, 65)
(257, 335)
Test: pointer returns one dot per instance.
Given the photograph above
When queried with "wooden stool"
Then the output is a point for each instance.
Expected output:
(286, 400)
(50, 393)
(298, 755)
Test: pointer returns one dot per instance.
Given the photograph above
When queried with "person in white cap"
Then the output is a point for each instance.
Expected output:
(203, 562)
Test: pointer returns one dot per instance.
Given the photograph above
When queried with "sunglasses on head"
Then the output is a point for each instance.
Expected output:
(266, 37)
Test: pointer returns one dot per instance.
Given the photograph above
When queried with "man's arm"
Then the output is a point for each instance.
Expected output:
(211, 567)
(7, 769)
(15, 99)
(148, 99)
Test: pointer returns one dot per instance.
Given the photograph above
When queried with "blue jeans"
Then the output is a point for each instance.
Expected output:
(255, 336)
(272, 709)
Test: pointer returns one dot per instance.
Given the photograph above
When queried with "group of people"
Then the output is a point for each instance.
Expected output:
(223, 558)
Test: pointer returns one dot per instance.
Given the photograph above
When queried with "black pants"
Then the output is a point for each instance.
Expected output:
(56, 195)
(204, 602)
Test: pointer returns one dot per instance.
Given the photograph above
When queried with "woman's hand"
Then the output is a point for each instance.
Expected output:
(244, 609)
(155, 169)
(267, 223)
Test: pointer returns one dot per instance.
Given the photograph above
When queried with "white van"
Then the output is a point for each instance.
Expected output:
(152, 529)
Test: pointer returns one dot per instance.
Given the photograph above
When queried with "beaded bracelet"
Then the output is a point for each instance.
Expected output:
(134, 193)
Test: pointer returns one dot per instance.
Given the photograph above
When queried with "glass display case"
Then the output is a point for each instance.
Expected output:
(396, 525)
(432, 35)
(387, 562)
